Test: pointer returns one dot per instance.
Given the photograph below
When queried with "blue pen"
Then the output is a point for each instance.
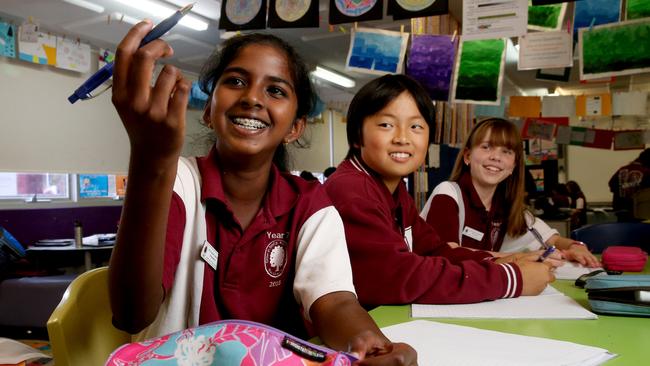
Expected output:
(546, 253)
(105, 73)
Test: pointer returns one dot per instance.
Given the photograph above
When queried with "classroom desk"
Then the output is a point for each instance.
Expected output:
(629, 337)
(40, 252)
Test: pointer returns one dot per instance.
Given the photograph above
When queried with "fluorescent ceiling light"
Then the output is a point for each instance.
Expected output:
(158, 10)
(87, 4)
(333, 77)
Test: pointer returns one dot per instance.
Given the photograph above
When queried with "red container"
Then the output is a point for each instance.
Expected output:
(628, 259)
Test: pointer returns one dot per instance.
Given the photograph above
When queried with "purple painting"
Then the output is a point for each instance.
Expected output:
(431, 61)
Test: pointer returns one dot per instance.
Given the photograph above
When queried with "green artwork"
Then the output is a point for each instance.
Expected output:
(479, 70)
(618, 49)
(638, 9)
(545, 16)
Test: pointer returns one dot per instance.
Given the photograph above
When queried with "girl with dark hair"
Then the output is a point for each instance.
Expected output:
(396, 257)
(230, 235)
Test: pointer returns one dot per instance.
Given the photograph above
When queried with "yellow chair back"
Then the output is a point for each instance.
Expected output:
(80, 328)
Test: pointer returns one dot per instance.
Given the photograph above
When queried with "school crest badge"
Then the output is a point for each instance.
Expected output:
(275, 258)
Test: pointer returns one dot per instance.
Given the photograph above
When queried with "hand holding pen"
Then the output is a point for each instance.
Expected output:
(105, 73)
(546, 253)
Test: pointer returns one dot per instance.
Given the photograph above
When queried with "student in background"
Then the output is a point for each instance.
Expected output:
(578, 205)
(489, 173)
(626, 182)
(271, 246)
(308, 176)
(396, 257)
(329, 171)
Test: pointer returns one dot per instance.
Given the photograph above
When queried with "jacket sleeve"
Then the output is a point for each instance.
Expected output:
(443, 217)
(385, 271)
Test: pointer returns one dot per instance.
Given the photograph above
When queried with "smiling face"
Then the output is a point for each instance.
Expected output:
(489, 163)
(395, 140)
(253, 107)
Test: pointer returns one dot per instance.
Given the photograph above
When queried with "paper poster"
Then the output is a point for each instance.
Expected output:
(479, 71)
(242, 15)
(407, 9)
(599, 139)
(7, 40)
(105, 56)
(293, 14)
(559, 106)
(630, 103)
(488, 19)
(499, 110)
(629, 140)
(629, 39)
(93, 185)
(563, 135)
(546, 17)
(522, 106)
(376, 51)
(42, 52)
(349, 11)
(431, 62)
(72, 55)
(120, 185)
(636, 9)
(594, 105)
(544, 50)
(595, 12)
(538, 128)
(546, 2)
(578, 135)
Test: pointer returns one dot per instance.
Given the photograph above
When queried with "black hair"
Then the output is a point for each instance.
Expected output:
(221, 58)
(644, 157)
(375, 96)
(329, 171)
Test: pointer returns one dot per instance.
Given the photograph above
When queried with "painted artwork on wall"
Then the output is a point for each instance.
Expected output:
(350, 11)
(431, 62)
(7, 40)
(407, 9)
(72, 55)
(242, 15)
(546, 17)
(614, 49)
(479, 72)
(595, 12)
(377, 51)
(105, 56)
(636, 9)
(293, 14)
(42, 51)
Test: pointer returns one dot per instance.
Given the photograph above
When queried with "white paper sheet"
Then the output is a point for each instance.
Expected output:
(550, 304)
(572, 270)
(630, 103)
(448, 344)
(14, 352)
(544, 50)
(488, 19)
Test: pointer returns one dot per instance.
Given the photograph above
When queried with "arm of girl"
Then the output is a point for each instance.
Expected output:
(343, 324)
(154, 119)
(574, 251)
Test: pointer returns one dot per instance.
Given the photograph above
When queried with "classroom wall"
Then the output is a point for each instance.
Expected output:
(42, 132)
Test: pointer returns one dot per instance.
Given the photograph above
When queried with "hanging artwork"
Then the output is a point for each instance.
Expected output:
(431, 62)
(595, 12)
(350, 11)
(479, 72)
(407, 9)
(629, 41)
(72, 55)
(293, 14)
(377, 51)
(7, 40)
(546, 17)
(636, 9)
(242, 15)
(42, 51)
(105, 56)
(546, 2)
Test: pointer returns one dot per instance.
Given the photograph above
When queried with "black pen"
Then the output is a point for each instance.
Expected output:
(105, 73)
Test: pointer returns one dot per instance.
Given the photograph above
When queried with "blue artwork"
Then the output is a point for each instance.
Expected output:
(596, 11)
(93, 185)
(7, 40)
(377, 51)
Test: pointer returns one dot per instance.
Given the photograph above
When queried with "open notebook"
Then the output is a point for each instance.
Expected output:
(550, 304)
(572, 270)
(455, 345)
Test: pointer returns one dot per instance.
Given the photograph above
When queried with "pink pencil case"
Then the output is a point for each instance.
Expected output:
(628, 259)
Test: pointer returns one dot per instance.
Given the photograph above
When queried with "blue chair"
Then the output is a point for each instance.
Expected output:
(600, 236)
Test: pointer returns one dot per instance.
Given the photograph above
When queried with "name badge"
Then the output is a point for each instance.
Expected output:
(210, 255)
(472, 233)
